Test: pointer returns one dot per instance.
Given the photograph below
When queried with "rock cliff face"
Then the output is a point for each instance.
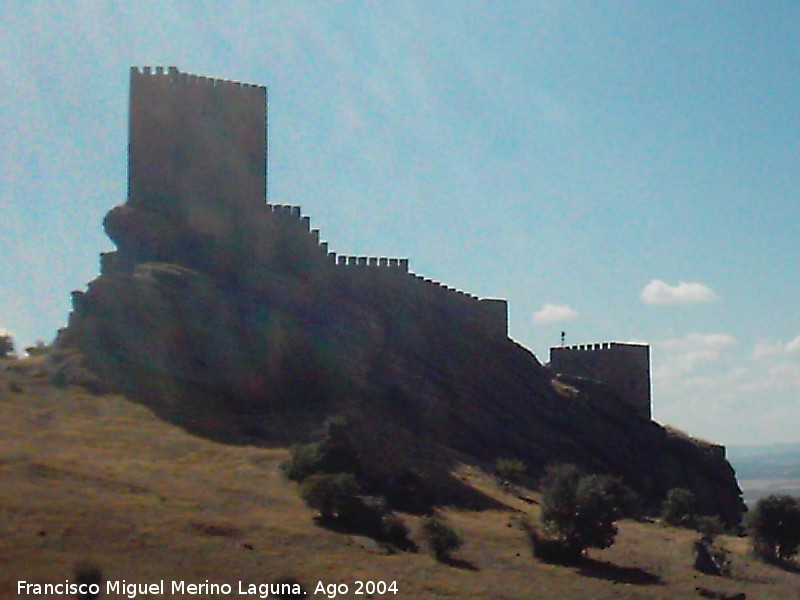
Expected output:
(221, 310)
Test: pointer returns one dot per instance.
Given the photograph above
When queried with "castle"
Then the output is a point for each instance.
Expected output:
(198, 156)
(201, 142)
(228, 316)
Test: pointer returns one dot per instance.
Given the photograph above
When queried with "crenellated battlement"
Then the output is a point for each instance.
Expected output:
(400, 264)
(285, 210)
(593, 347)
(173, 75)
(293, 214)
(488, 314)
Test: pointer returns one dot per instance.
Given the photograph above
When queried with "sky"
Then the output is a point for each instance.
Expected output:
(618, 171)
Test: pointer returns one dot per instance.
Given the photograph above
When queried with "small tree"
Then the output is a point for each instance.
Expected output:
(442, 538)
(332, 494)
(579, 510)
(774, 525)
(709, 527)
(334, 453)
(679, 507)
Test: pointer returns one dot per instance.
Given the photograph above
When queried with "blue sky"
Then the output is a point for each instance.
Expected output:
(621, 171)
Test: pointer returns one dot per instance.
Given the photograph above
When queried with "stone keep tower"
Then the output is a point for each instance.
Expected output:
(623, 367)
(195, 139)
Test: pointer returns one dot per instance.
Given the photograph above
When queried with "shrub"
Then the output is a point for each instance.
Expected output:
(332, 494)
(579, 510)
(405, 490)
(442, 538)
(336, 497)
(510, 469)
(334, 453)
(679, 507)
(371, 515)
(559, 485)
(548, 549)
(303, 462)
(774, 525)
(708, 527)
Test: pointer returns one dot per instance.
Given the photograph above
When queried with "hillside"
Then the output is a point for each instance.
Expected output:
(101, 478)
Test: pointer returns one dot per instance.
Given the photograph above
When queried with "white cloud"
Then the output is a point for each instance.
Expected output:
(660, 292)
(704, 384)
(767, 349)
(4, 331)
(679, 357)
(553, 313)
(711, 341)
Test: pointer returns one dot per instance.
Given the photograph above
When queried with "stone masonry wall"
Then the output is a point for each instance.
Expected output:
(361, 274)
(623, 367)
(194, 137)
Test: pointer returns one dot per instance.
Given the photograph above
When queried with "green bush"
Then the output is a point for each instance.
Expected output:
(679, 508)
(372, 516)
(579, 511)
(332, 494)
(442, 538)
(337, 498)
(334, 453)
(548, 549)
(774, 525)
(303, 462)
(708, 527)
(510, 469)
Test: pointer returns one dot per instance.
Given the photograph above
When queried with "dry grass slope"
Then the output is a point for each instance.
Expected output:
(100, 478)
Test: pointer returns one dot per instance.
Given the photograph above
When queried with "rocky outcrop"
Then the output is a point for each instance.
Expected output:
(247, 308)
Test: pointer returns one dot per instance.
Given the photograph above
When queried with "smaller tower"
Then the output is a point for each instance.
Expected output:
(623, 367)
